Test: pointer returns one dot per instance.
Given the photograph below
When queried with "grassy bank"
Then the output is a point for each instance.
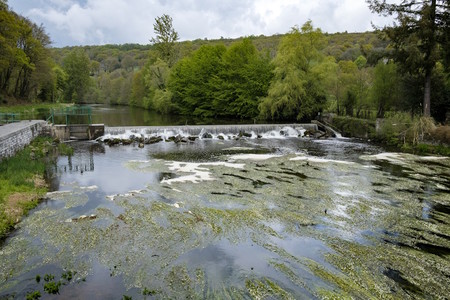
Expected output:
(32, 111)
(22, 180)
(399, 131)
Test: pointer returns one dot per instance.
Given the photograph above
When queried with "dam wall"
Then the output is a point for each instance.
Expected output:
(196, 130)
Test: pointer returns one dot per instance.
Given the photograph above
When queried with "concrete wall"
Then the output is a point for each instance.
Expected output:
(77, 132)
(15, 136)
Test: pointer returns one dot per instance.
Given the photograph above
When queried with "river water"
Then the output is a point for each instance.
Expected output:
(265, 218)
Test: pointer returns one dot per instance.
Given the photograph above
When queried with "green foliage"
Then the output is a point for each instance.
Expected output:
(147, 292)
(77, 67)
(17, 175)
(354, 127)
(296, 91)
(385, 87)
(25, 64)
(34, 295)
(243, 80)
(410, 133)
(68, 275)
(190, 81)
(418, 38)
(49, 277)
(165, 39)
(52, 287)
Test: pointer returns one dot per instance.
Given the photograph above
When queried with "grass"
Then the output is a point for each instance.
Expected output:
(22, 181)
(32, 110)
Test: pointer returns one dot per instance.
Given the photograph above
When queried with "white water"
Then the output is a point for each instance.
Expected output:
(217, 132)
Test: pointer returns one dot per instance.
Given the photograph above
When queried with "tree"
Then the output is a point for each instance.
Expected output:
(25, 63)
(385, 86)
(165, 39)
(419, 37)
(77, 67)
(244, 79)
(190, 81)
(296, 91)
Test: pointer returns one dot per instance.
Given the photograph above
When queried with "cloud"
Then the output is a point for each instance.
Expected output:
(72, 22)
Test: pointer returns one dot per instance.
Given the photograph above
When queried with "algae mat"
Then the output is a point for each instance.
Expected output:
(249, 219)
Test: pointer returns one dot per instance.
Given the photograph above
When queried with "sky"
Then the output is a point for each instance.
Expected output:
(98, 22)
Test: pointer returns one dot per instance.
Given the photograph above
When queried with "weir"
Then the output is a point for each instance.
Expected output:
(212, 129)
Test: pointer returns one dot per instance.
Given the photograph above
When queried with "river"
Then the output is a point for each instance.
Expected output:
(277, 217)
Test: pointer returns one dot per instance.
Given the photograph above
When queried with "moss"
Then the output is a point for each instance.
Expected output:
(52, 287)
(266, 289)
(354, 127)
(33, 295)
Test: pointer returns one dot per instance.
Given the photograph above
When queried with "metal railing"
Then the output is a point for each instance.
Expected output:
(6, 118)
(70, 112)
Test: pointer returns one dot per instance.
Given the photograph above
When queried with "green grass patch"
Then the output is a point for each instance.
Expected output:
(38, 111)
(31, 108)
(23, 176)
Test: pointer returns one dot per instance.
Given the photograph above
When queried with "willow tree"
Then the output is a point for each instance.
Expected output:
(296, 91)
(419, 37)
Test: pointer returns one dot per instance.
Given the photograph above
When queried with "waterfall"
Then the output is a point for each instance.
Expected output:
(225, 131)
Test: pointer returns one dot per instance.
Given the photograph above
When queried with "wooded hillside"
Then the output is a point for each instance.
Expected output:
(289, 77)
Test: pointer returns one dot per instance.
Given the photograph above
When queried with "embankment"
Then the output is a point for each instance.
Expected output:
(15, 136)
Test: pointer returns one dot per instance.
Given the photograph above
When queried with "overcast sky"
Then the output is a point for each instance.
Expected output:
(96, 22)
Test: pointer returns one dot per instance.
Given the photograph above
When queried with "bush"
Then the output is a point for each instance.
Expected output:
(354, 127)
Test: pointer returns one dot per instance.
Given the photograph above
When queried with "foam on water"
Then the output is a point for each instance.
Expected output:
(319, 160)
(196, 172)
(253, 156)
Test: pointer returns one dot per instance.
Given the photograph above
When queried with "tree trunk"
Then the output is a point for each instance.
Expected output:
(427, 95)
(429, 62)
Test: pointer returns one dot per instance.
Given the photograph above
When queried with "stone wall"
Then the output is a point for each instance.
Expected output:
(16, 136)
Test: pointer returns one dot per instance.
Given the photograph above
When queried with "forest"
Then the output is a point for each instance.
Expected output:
(290, 77)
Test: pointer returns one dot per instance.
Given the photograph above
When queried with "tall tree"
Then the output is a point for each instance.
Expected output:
(165, 39)
(190, 81)
(77, 67)
(244, 79)
(418, 38)
(385, 86)
(296, 91)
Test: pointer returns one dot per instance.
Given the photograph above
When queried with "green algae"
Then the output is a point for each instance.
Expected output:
(390, 245)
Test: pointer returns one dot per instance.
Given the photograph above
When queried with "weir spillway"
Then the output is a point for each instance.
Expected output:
(212, 129)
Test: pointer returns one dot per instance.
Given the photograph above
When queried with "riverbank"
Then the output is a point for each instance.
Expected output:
(399, 133)
(22, 180)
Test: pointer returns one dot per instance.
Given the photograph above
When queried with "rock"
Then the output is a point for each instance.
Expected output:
(113, 142)
(207, 135)
(180, 139)
(221, 137)
(153, 140)
(259, 136)
(245, 134)
(127, 142)
(307, 133)
(192, 138)
(141, 145)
